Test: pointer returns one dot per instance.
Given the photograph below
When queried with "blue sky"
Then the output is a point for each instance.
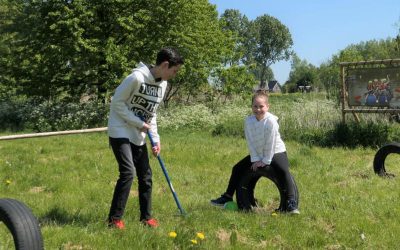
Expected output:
(321, 28)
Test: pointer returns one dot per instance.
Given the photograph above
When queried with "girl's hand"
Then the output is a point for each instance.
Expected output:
(256, 165)
(145, 127)
(156, 149)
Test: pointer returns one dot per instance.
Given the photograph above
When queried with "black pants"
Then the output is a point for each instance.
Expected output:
(132, 161)
(279, 162)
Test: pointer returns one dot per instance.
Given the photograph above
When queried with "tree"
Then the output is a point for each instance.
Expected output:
(195, 29)
(397, 46)
(7, 82)
(259, 70)
(258, 44)
(329, 76)
(397, 49)
(369, 50)
(302, 73)
(271, 42)
(234, 80)
(234, 75)
(238, 25)
(65, 48)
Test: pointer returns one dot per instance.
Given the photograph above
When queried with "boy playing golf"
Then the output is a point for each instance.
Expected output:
(132, 114)
(266, 148)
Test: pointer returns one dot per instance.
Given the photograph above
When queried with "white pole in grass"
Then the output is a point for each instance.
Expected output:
(44, 134)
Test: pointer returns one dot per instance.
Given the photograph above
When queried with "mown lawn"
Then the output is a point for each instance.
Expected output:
(68, 182)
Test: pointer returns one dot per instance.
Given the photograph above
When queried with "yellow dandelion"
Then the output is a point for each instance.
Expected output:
(8, 182)
(200, 236)
(172, 234)
(194, 242)
(274, 214)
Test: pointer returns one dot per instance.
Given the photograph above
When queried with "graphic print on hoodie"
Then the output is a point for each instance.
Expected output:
(145, 102)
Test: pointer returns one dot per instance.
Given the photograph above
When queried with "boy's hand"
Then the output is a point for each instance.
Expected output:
(257, 164)
(145, 127)
(156, 149)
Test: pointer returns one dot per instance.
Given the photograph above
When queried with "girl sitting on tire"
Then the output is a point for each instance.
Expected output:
(266, 149)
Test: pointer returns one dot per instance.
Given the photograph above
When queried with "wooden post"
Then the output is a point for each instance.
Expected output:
(356, 117)
(342, 77)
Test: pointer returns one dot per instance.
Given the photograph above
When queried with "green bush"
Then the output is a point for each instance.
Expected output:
(352, 134)
(186, 116)
(315, 136)
(201, 117)
(11, 115)
(229, 128)
(50, 116)
(41, 116)
(394, 133)
(367, 134)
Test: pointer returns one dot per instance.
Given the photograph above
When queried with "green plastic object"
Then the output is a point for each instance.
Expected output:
(231, 206)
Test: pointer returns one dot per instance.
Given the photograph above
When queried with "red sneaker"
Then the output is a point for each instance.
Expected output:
(150, 222)
(119, 224)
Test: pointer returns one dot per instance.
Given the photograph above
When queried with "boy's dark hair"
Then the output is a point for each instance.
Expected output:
(170, 55)
(262, 93)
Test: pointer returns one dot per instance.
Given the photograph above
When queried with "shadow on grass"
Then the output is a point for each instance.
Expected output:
(59, 216)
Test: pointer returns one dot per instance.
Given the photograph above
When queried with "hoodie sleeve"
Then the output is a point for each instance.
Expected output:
(249, 133)
(271, 130)
(121, 97)
(153, 130)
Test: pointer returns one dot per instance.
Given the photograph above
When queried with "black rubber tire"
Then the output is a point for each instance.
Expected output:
(22, 224)
(245, 191)
(380, 157)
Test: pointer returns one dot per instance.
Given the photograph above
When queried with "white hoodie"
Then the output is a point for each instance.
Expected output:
(263, 138)
(138, 96)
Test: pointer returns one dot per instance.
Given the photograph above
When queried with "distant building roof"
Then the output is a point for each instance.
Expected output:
(274, 86)
(271, 84)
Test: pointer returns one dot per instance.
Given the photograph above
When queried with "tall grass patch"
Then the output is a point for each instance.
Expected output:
(308, 118)
(305, 117)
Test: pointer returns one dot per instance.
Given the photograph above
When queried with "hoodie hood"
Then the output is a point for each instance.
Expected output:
(145, 70)
(272, 116)
(268, 115)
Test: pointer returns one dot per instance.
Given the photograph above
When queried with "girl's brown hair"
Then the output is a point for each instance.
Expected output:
(260, 93)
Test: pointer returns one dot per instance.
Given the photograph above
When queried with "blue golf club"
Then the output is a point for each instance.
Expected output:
(166, 176)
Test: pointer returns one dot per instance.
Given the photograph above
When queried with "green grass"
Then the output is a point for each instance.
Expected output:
(68, 182)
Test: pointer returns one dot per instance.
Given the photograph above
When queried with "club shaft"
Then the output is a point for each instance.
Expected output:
(166, 176)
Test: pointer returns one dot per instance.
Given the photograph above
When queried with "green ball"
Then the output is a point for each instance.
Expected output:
(231, 206)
